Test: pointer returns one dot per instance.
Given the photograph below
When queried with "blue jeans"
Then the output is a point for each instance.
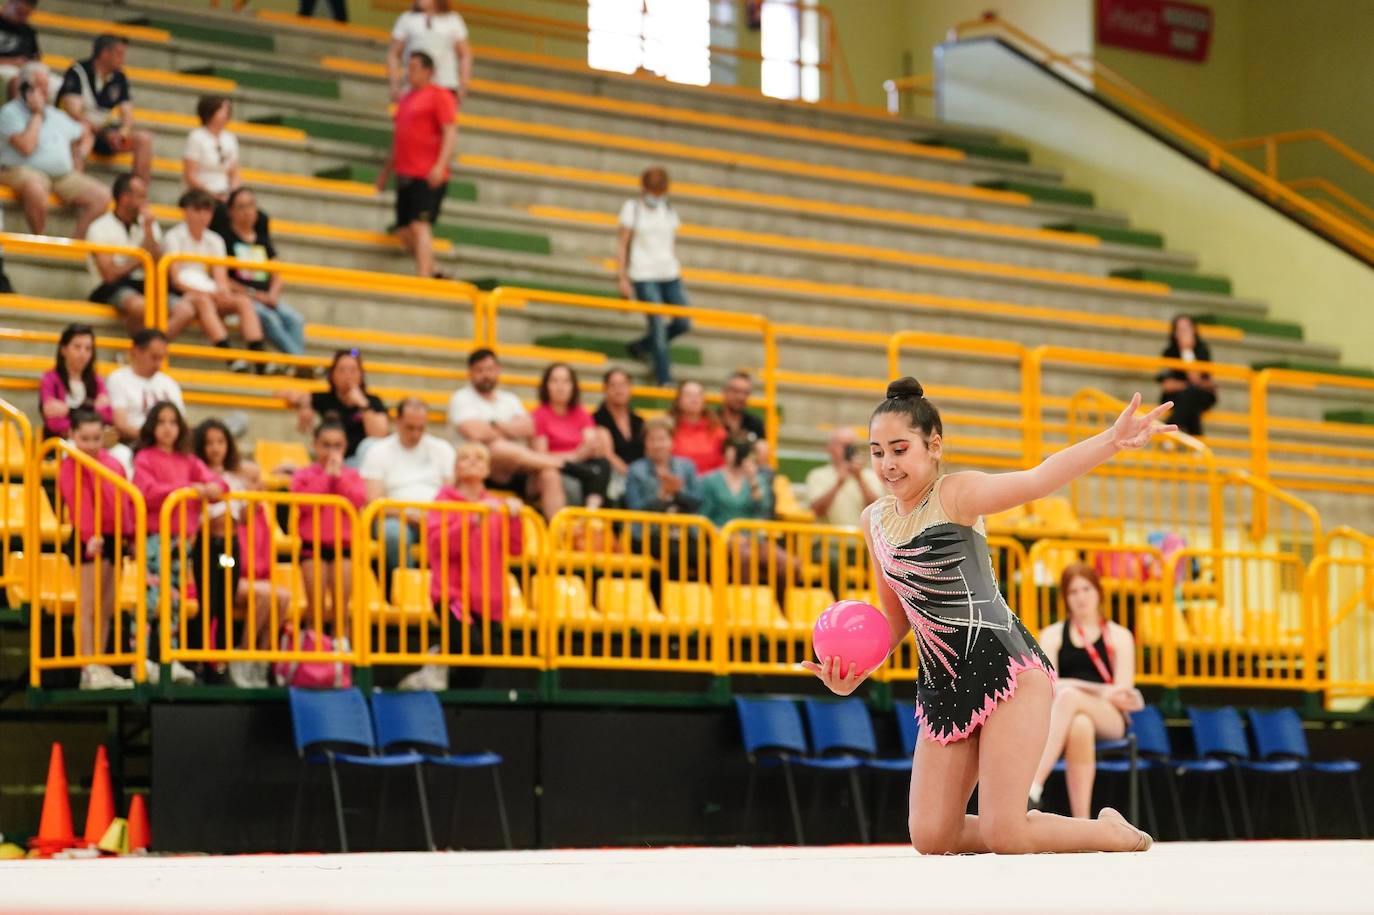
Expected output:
(661, 292)
(282, 325)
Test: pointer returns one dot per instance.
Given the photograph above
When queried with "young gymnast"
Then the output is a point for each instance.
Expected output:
(985, 688)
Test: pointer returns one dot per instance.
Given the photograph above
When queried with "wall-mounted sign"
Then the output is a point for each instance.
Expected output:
(1162, 27)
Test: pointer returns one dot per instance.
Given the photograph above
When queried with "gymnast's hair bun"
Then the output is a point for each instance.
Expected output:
(905, 387)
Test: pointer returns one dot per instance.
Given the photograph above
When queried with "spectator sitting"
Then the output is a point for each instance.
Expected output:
(410, 465)
(325, 538)
(421, 152)
(697, 432)
(18, 40)
(1095, 659)
(120, 278)
(247, 236)
(622, 423)
(648, 269)
(661, 481)
(207, 288)
(483, 412)
(734, 403)
(72, 385)
(162, 466)
(42, 151)
(432, 26)
(211, 160)
(95, 551)
(841, 490)
(739, 491)
(1193, 393)
(564, 429)
(135, 388)
(491, 539)
(213, 443)
(95, 92)
(347, 402)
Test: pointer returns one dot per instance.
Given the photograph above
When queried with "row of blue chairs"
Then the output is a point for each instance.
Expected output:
(403, 730)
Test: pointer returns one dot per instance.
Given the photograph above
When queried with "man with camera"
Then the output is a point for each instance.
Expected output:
(42, 151)
(841, 490)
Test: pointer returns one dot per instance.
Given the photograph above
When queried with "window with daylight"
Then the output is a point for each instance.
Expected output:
(670, 38)
(791, 45)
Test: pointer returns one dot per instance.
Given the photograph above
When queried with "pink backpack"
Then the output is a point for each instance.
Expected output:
(314, 674)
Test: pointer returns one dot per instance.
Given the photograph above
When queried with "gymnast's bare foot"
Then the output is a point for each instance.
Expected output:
(1139, 839)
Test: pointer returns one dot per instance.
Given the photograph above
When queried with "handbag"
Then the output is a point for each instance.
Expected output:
(314, 674)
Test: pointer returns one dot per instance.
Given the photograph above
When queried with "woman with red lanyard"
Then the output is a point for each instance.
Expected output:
(1095, 659)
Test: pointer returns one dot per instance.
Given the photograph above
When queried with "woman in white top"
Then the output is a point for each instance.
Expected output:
(211, 160)
(434, 27)
(648, 268)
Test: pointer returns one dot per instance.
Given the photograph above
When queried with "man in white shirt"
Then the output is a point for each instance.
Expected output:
(483, 412)
(136, 388)
(42, 151)
(443, 35)
(647, 267)
(119, 278)
(207, 289)
(409, 465)
(841, 490)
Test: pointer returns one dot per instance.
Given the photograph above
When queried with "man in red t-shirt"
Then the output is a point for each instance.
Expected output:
(426, 134)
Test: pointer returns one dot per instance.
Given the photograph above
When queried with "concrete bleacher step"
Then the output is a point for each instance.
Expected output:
(982, 150)
(1114, 234)
(1252, 325)
(1041, 192)
(678, 354)
(487, 283)
(1216, 285)
(1294, 365)
(272, 82)
(367, 174)
(227, 38)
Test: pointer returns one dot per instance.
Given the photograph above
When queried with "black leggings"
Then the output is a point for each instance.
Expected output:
(339, 9)
(1189, 405)
(593, 475)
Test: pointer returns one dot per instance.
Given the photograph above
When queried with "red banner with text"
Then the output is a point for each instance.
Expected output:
(1164, 27)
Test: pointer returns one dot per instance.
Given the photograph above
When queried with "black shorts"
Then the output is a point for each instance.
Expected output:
(75, 550)
(109, 141)
(416, 201)
(114, 293)
(324, 552)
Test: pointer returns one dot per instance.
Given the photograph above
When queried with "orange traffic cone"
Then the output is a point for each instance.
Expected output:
(55, 827)
(138, 824)
(100, 811)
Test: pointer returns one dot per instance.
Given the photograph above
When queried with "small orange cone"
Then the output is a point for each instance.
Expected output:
(138, 824)
(100, 811)
(55, 827)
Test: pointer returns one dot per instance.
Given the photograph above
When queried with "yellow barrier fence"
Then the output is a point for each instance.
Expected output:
(631, 590)
(86, 596)
(44, 246)
(1339, 597)
(17, 473)
(776, 578)
(1133, 584)
(1283, 451)
(256, 577)
(451, 583)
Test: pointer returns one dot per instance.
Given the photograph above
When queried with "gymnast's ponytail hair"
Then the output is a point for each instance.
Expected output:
(907, 398)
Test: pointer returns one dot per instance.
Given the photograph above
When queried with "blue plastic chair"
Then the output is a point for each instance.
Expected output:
(414, 721)
(772, 732)
(908, 726)
(1279, 735)
(843, 727)
(1220, 734)
(332, 727)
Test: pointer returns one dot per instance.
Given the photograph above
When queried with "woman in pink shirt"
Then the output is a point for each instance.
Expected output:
(468, 553)
(103, 519)
(326, 533)
(563, 428)
(698, 435)
(162, 466)
(72, 383)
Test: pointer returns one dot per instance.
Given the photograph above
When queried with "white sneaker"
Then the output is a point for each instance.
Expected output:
(431, 677)
(182, 675)
(153, 670)
(241, 674)
(98, 676)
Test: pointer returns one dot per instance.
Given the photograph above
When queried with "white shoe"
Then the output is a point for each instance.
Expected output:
(431, 677)
(241, 674)
(154, 672)
(182, 675)
(262, 674)
(98, 676)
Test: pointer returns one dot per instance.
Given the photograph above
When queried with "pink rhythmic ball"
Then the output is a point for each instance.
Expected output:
(853, 631)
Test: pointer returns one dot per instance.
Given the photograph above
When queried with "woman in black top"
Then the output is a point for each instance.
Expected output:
(1193, 393)
(625, 425)
(1095, 659)
(363, 415)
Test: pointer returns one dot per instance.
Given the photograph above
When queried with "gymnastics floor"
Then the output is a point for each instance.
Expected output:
(1311, 878)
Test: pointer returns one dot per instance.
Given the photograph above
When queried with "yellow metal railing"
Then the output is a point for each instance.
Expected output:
(1272, 144)
(462, 588)
(18, 482)
(1339, 599)
(45, 246)
(94, 577)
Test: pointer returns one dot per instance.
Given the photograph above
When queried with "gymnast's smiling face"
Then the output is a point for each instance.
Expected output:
(903, 457)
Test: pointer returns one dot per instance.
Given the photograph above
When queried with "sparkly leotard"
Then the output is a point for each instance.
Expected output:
(970, 645)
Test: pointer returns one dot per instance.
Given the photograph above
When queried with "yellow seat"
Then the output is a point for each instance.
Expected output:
(516, 608)
(566, 596)
(410, 601)
(278, 460)
(283, 544)
(13, 460)
(627, 599)
(373, 598)
(754, 607)
(1054, 513)
(1008, 520)
(786, 506)
(1150, 625)
(868, 597)
(804, 605)
(688, 603)
(57, 585)
(14, 511)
